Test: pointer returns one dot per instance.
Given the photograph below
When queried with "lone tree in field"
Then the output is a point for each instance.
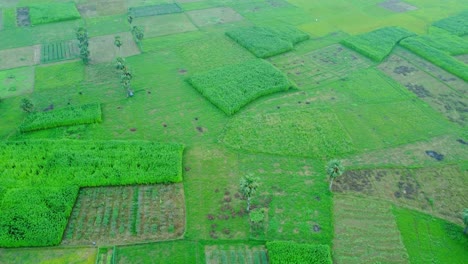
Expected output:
(334, 169)
(248, 186)
(465, 220)
(138, 33)
(118, 42)
(27, 105)
(82, 36)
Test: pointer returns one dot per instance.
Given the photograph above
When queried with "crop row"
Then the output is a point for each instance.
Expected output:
(291, 252)
(266, 42)
(377, 44)
(36, 214)
(72, 115)
(443, 40)
(436, 56)
(232, 87)
(457, 24)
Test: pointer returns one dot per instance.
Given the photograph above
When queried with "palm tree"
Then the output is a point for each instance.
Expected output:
(334, 169)
(248, 186)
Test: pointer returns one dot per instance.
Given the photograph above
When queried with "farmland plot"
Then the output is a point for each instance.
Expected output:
(19, 57)
(16, 81)
(122, 215)
(224, 254)
(214, 16)
(65, 50)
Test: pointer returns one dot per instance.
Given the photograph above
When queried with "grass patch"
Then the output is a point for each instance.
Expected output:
(232, 87)
(306, 133)
(214, 16)
(62, 75)
(53, 12)
(431, 240)
(19, 57)
(167, 25)
(236, 253)
(183, 251)
(50, 255)
(457, 24)
(436, 56)
(291, 252)
(154, 10)
(69, 116)
(17, 81)
(377, 44)
(266, 42)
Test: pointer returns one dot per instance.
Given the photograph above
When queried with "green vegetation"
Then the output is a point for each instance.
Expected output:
(16, 81)
(85, 255)
(334, 169)
(53, 12)
(429, 239)
(171, 252)
(248, 187)
(266, 42)
(154, 10)
(72, 115)
(457, 24)
(64, 75)
(232, 87)
(291, 252)
(377, 44)
(436, 56)
(58, 51)
(445, 41)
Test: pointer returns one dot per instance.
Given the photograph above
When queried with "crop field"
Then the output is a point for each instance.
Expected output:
(130, 144)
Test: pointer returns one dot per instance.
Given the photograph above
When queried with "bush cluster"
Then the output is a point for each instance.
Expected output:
(436, 56)
(232, 87)
(72, 115)
(292, 252)
(266, 42)
(36, 214)
(377, 44)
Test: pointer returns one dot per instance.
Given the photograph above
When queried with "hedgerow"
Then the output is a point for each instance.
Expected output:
(51, 165)
(53, 12)
(266, 42)
(457, 24)
(72, 115)
(292, 252)
(232, 87)
(377, 44)
(436, 56)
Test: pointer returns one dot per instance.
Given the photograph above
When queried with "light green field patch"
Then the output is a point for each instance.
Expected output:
(155, 26)
(428, 239)
(111, 7)
(172, 252)
(15, 82)
(53, 12)
(233, 253)
(375, 126)
(306, 133)
(214, 16)
(85, 255)
(102, 48)
(19, 57)
(105, 25)
(61, 75)
(360, 238)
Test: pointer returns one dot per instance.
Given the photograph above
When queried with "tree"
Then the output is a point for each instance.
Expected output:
(27, 105)
(118, 42)
(248, 186)
(334, 169)
(138, 33)
(82, 36)
(465, 220)
(130, 19)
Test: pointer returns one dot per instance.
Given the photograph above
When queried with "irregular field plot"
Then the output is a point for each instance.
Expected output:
(381, 125)
(435, 190)
(64, 50)
(265, 42)
(291, 252)
(428, 239)
(19, 57)
(442, 40)
(85, 255)
(167, 25)
(73, 115)
(15, 82)
(62, 75)
(360, 238)
(232, 87)
(457, 24)
(377, 44)
(214, 16)
(173, 252)
(435, 93)
(102, 48)
(122, 215)
(154, 10)
(235, 254)
(53, 12)
(397, 6)
(307, 133)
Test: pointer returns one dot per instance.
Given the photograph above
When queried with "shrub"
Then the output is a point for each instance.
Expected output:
(436, 56)
(266, 42)
(377, 44)
(291, 252)
(73, 115)
(53, 12)
(457, 24)
(232, 87)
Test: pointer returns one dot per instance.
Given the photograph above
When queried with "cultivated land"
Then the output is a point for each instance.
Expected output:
(222, 89)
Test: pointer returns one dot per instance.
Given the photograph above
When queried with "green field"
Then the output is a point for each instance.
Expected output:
(139, 159)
